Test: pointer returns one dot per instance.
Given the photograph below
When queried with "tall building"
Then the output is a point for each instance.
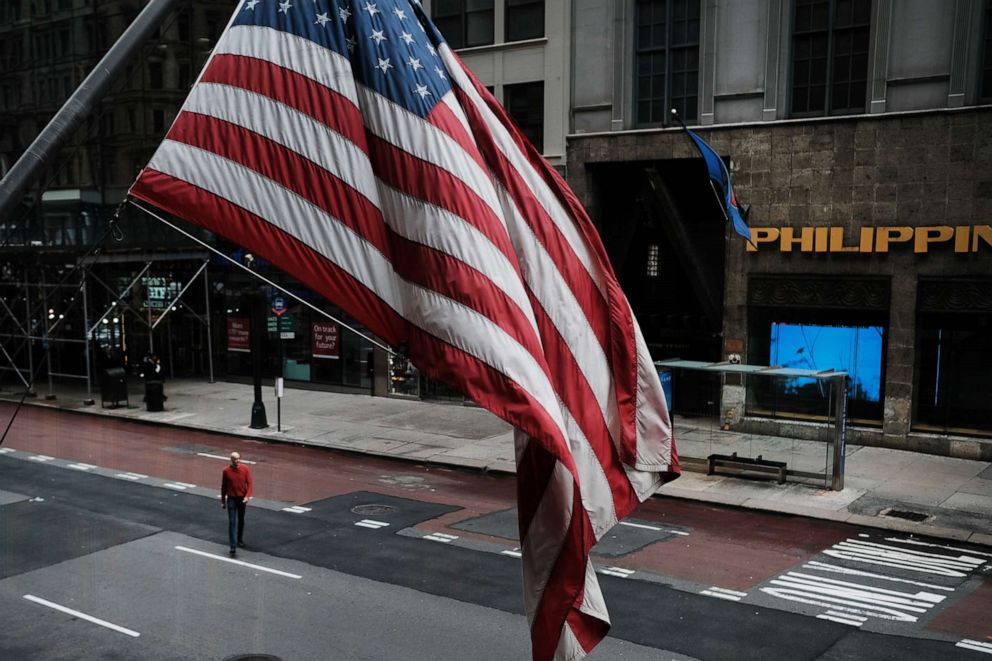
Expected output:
(859, 133)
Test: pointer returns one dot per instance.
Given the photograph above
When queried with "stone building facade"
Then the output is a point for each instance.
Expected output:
(870, 222)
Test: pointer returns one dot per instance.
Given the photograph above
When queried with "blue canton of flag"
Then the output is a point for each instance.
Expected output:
(391, 45)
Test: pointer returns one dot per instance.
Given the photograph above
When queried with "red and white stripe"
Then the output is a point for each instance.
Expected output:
(453, 235)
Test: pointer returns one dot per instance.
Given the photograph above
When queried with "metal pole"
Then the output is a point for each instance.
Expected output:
(257, 302)
(27, 313)
(86, 346)
(840, 434)
(210, 345)
(44, 149)
(48, 344)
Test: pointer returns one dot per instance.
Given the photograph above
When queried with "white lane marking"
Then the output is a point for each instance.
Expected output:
(131, 476)
(441, 537)
(639, 525)
(82, 467)
(975, 645)
(644, 526)
(179, 486)
(213, 556)
(370, 523)
(6, 450)
(83, 616)
(896, 557)
(619, 572)
(513, 553)
(837, 569)
(842, 618)
(916, 542)
(222, 457)
(40, 457)
(296, 509)
(723, 593)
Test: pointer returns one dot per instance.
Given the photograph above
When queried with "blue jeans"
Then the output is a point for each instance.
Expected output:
(235, 520)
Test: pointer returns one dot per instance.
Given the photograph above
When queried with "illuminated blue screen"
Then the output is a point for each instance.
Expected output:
(856, 350)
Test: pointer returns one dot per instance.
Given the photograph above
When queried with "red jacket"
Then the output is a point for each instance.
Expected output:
(236, 482)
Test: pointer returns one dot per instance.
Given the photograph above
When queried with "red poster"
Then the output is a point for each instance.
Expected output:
(325, 340)
(238, 334)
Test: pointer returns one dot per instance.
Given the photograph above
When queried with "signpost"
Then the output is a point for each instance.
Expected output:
(279, 309)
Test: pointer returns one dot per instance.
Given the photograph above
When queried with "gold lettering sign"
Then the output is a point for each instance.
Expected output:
(961, 238)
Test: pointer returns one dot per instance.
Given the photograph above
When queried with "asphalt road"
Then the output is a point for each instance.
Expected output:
(113, 546)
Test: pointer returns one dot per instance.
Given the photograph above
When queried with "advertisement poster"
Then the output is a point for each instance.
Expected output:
(238, 334)
(325, 340)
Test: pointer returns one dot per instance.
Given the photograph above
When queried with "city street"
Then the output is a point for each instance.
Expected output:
(114, 546)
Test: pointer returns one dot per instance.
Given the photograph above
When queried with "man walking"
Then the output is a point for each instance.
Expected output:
(235, 492)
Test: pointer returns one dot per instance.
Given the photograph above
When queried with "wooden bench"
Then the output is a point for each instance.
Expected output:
(747, 464)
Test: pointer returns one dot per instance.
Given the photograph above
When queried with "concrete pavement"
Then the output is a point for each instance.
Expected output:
(952, 496)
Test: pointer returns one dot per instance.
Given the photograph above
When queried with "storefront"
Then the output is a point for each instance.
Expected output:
(871, 253)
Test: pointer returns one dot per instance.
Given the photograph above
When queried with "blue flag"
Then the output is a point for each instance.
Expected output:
(720, 176)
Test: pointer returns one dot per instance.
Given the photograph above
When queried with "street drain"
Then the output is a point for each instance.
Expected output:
(252, 657)
(373, 508)
(906, 514)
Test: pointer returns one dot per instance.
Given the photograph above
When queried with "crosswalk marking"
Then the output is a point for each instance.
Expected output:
(370, 523)
(902, 558)
(843, 618)
(837, 569)
(916, 542)
(975, 646)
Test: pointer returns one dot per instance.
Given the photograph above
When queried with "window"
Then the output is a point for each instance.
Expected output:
(465, 22)
(525, 103)
(524, 19)
(158, 122)
(652, 261)
(830, 56)
(985, 89)
(155, 75)
(667, 60)
(183, 27)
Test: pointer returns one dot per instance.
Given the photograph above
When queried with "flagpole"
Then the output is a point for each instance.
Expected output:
(722, 203)
(258, 275)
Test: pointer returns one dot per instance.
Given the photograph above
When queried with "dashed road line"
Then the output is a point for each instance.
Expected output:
(975, 645)
(178, 486)
(41, 457)
(370, 523)
(222, 457)
(83, 616)
(233, 561)
(133, 477)
(723, 593)
(6, 450)
(513, 553)
(441, 537)
(81, 467)
(619, 572)
(645, 526)
(297, 509)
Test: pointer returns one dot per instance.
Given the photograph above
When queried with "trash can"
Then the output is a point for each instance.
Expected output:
(113, 387)
(154, 395)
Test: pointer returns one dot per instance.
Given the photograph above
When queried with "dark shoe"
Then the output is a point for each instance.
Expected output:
(234, 552)
(241, 544)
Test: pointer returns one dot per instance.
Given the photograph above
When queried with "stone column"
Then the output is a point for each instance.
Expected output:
(900, 358)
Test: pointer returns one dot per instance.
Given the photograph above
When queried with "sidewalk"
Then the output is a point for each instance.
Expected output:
(954, 495)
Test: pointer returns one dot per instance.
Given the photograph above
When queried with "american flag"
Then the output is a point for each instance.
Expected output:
(346, 143)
